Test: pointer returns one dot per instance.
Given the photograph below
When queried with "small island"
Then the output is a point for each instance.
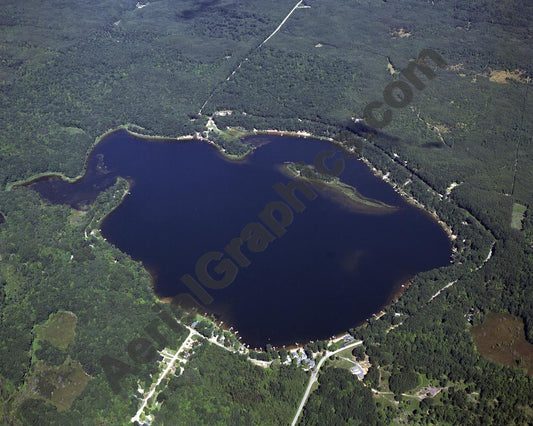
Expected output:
(338, 191)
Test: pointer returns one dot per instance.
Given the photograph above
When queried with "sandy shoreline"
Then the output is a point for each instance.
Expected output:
(410, 198)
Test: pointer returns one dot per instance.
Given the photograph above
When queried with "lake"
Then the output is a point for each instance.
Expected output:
(323, 271)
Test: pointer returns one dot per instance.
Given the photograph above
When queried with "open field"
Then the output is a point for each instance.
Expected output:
(518, 215)
(59, 385)
(58, 330)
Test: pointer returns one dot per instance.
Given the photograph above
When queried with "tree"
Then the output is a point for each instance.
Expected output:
(358, 352)
(402, 381)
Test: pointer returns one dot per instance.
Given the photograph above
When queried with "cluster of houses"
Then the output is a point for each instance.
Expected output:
(301, 358)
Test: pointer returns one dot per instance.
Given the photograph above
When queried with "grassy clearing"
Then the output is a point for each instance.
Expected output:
(58, 330)
(518, 215)
(342, 363)
(233, 133)
(59, 385)
(347, 353)
(76, 217)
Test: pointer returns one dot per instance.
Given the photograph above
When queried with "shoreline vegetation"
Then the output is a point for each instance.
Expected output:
(457, 149)
(336, 190)
(236, 133)
(411, 199)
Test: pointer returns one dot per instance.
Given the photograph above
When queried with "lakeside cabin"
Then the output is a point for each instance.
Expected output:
(358, 371)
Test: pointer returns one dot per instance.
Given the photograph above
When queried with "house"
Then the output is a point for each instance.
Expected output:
(347, 339)
(358, 371)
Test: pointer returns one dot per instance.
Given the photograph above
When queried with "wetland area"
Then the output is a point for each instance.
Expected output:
(501, 338)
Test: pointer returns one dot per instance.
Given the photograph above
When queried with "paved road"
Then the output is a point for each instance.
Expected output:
(314, 375)
(154, 386)
(192, 333)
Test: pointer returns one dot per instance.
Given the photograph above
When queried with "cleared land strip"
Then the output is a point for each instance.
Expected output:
(437, 294)
(298, 5)
(282, 22)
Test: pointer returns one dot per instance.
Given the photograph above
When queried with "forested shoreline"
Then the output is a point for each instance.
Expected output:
(68, 75)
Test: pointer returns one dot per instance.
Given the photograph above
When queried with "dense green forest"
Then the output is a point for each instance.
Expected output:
(220, 388)
(340, 400)
(70, 71)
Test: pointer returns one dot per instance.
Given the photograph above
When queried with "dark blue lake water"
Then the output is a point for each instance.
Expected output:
(332, 268)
